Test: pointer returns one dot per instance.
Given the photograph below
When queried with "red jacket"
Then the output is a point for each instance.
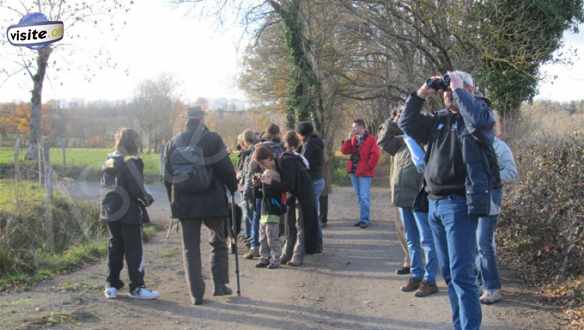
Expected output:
(368, 155)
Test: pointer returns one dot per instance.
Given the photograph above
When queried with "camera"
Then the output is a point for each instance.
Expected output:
(439, 83)
(257, 179)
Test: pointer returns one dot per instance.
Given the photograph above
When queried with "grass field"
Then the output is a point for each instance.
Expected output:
(86, 158)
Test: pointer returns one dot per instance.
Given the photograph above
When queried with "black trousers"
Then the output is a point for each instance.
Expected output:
(125, 241)
(191, 240)
(324, 208)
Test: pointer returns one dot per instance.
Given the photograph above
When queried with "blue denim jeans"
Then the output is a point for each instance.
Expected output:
(419, 237)
(362, 186)
(255, 228)
(247, 216)
(487, 256)
(318, 189)
(454, 233)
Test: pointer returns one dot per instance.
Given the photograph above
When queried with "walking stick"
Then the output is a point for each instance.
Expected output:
(234, 238)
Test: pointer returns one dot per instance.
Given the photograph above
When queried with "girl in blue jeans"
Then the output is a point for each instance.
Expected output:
(487, 257)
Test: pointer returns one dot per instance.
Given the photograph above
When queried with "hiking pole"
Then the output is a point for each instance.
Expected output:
(234, 238)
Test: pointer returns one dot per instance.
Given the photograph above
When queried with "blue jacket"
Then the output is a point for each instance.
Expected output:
(475, 132)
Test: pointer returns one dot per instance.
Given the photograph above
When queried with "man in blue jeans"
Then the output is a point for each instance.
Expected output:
(364, 155)
(459, 178)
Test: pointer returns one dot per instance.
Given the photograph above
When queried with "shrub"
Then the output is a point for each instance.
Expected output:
(24, 232)
(541, 231)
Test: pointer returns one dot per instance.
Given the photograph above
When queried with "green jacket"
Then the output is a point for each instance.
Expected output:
(405, 181)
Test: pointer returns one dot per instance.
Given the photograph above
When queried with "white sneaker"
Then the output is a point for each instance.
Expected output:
(490, 297)
(143, 293)
(110, 293)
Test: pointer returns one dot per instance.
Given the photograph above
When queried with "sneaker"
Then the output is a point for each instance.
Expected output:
(253, 253)
(413, 285)
(490, 297)
(426, 289)
(222, 290)
(110, 293)
(143, 293)
(262, 264)
(403, 271)
(357, 224)
(363, 225)
(273, 265)
(294, 263)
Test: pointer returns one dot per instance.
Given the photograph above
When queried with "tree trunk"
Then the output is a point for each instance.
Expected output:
(36, 102)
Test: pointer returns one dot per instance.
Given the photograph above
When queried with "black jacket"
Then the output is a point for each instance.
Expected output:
(313, 151)
(297, 181)
(213, 202)
(474, 136)
(122, 181)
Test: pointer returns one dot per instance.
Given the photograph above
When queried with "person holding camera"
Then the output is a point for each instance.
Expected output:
(123, 208)
(364, 155)
(460, 176)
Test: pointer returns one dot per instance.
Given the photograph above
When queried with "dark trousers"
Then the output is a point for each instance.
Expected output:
(323, 209)
(191, 239)
(125, 240)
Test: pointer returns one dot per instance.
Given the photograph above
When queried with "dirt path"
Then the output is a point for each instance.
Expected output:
(350, 286)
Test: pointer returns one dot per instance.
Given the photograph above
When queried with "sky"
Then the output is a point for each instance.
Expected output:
(161, 38)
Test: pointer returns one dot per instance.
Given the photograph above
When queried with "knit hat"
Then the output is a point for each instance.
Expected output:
(305, 128)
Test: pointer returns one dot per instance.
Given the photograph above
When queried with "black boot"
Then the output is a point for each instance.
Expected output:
(222, 290)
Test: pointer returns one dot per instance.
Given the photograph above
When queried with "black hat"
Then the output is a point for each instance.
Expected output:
(196, 112)
(305, 128)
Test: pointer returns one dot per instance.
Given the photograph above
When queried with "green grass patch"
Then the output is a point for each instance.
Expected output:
(150, 230)
(51, 265)
(25, 259)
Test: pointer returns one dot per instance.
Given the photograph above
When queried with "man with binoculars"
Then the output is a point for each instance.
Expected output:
(460, 175)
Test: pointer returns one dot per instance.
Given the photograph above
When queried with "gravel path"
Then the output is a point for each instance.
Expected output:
(350, 286)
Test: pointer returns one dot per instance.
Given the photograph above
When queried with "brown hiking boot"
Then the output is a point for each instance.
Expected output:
(413, 285)
(253, 253)
(426, 289)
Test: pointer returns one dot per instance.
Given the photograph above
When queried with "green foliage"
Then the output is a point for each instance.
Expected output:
(515, 38)
(303, 84)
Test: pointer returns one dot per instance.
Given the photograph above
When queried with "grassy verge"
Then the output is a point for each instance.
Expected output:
(51, 265)
(79, 236)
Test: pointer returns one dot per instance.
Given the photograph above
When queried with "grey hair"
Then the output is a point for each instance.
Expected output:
(466, 78)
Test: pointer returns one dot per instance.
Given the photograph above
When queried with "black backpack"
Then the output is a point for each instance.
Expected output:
(388, 139)
(115, 200)
(187, 170)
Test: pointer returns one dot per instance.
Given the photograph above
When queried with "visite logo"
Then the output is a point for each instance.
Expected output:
(35, 31)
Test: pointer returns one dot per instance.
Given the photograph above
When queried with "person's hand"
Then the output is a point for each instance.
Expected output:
(266, 178)
(455, 81)
(148, 199)
(396, 115)
(425, 91)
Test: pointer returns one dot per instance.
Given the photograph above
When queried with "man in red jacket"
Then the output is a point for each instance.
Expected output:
(361, 166)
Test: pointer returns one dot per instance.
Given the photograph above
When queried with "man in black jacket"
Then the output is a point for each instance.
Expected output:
(459, 178)
(209, 207)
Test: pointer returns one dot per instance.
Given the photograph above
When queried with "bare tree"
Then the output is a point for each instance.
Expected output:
(155, 103)
(35, 63)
